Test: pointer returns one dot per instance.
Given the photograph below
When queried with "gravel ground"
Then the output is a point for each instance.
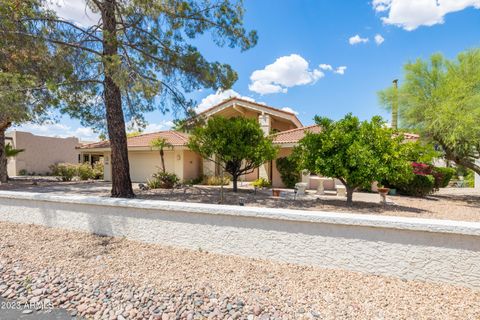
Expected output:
(113, 278)
(450, 203)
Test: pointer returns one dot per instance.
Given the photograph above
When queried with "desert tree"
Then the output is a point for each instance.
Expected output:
(440, 99)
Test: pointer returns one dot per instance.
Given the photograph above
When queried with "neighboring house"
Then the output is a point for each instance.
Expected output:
(285, 127)
(39, 152)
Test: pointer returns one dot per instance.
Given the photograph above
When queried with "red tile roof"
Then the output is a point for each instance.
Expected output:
(175, 138)
(294, 135)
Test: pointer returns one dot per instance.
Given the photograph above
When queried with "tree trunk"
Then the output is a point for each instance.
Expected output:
(3, 156)
(467, 164)
(121, 182)
(349, 195)
(163, 160)
(235, 183)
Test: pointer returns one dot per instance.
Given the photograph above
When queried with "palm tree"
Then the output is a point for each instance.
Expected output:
(10, 152)
(160, 144)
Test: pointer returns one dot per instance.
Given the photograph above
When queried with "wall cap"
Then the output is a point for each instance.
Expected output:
(337, 218)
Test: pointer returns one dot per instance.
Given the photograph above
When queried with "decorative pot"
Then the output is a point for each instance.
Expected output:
(276, 193)
(383, 194)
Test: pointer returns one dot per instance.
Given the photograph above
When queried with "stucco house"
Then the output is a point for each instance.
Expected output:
(39, 152)
(285, 128)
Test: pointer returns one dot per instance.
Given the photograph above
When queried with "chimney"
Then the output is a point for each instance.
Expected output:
(395, 105)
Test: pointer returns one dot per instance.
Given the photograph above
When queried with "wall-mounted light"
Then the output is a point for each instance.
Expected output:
(179, 157)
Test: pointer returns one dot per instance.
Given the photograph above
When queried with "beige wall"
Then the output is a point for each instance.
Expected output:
(40, 152)
(192, 163)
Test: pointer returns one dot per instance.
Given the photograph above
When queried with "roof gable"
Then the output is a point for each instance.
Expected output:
(261, 108)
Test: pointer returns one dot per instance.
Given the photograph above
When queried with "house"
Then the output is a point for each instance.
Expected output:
(284, 127)
(39, 152)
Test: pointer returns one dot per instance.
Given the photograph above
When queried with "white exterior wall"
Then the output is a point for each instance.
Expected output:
(143, 164)
(409, 248)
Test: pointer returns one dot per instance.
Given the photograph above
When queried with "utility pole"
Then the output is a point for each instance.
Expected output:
(395, 105)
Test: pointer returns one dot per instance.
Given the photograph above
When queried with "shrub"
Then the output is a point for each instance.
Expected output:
(443, 176)
(418, 186)
(288, 169)
(23, 172)
(98, 170)
(194, 181)
(261, 183)
(85, 171)
(216, 180)
(163, 180)
(66, 171)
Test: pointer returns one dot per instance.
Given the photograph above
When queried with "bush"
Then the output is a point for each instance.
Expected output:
(418, 186)
(23, 172)
(163, 180)
(66, 171)
(288, 169)
(216, 181)
(194, 181)
(85, 171)
(98, 170)
(261, 183)
(443, 176)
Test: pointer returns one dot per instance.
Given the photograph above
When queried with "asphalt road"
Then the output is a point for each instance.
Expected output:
(9, 310)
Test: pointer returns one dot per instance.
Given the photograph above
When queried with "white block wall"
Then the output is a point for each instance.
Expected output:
(409, 248)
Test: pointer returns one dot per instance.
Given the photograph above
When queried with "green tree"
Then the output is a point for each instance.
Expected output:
(355, 152)
(161, 144)
(440, 99)
(236, 144)
(137, 58)
(28, 66)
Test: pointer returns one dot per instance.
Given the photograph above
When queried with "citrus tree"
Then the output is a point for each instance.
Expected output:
(237, 144)
(355, 152)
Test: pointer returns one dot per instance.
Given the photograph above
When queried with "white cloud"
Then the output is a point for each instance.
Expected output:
(356, 39)
(217, 97)
(340, 70)
(284, 73)
(50, 129)
(154, 127)
(324, 66)
(379, 39)
(411, 14)
(288, 109)
(74, 10)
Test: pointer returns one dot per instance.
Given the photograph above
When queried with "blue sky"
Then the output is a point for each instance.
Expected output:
(296, 37)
